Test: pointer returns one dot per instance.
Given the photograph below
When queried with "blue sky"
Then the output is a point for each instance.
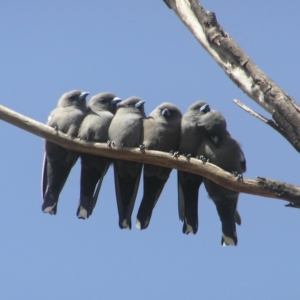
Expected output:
(141, 48)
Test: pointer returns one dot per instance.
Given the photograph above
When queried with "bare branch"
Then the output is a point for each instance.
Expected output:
(239, 67)
(261, 187)
(260, 117)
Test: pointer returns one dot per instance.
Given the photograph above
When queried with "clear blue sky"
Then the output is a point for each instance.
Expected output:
(141, 48)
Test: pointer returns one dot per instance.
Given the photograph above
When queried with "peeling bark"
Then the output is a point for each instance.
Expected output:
(239, 67)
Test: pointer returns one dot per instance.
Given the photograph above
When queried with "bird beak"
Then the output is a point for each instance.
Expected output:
(140, 104)
(116, 101)
(83, 95)
(166, 112)
(205, 108)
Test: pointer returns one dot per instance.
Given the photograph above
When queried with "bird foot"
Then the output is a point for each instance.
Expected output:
(142, 148)
(239, 177)
(110, 143)
(203, 159)
(176, 154)
(187, 156)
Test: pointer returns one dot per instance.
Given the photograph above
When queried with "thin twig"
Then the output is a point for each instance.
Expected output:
(260, 117)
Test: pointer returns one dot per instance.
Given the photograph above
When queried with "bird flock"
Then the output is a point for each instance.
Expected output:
(200, 133)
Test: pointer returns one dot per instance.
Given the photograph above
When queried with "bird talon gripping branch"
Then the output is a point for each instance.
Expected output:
(176, 154)
(187, 156)
(203, 159)
(142, 147)
(239, 177)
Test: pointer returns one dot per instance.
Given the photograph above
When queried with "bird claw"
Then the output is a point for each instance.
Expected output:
(176, 154)
(187, 156)
(110, 143)
(239, 177)
(142, 148)
(203, 159)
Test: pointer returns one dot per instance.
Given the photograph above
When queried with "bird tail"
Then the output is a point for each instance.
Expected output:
(188, 188)
(226, 208)
(55, 175)
(126, 191)
(153, 187)
(90, 185)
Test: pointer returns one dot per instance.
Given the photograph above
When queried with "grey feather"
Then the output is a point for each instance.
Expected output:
(161, 132)
(226, 153)
(59, 161)
(126, 130)
(94, 127)
(188, 183)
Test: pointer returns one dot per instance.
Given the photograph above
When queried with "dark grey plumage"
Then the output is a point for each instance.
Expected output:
(94, 127)
(58, 161)
(161, 132)
(126, 130)
(188, 183)
(222, 150)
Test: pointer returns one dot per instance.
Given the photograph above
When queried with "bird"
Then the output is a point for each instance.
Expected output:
(94, 127)
(219, 148)
(126, 130)
(161, 132)
(58, 161)
(188, 184)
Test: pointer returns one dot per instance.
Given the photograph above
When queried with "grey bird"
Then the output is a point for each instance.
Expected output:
(126, 130)
(101, 109)
(58, 161)
(222, 150)
(188, 183)
(161, 132)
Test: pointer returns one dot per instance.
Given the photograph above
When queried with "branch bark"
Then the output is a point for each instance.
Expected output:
(262, 187)
(239, 67)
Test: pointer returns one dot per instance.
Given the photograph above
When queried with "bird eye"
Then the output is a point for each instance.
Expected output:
(205, 108)
(166, 112)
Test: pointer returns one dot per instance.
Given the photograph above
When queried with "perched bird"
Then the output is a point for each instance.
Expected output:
(94, 127)
(161, 132)
(58, 161)
(126, 130)
(222, 150)
(188, 183)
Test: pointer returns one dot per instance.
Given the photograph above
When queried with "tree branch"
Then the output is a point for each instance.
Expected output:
(239, 67)
(262, 187)
(260, 117)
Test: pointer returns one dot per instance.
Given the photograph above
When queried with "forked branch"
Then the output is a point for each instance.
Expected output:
(240, 68)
